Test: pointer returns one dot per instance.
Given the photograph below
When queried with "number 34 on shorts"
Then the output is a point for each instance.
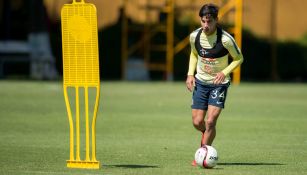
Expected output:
(217, 96)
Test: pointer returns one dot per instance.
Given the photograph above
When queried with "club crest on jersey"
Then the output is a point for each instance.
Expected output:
(203, 51)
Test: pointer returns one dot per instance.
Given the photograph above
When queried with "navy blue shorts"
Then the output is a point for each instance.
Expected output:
(207, 94)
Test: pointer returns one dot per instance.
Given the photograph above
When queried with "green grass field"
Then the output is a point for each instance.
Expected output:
(145, 128)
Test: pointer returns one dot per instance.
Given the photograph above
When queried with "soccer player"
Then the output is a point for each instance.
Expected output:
(210, 48)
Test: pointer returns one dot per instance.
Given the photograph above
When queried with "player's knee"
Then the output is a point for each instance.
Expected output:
(210, 124)
(197, 122)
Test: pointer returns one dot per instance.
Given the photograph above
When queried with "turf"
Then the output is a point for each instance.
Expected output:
(145, 128)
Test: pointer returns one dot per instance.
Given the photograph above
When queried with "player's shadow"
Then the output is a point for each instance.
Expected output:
(132, 166)
(249, 164)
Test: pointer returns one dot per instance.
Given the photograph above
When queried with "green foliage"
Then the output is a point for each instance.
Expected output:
(303, 40)
(145, 128)
(291, 59)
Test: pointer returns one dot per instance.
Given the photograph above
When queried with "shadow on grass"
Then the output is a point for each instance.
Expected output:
(132, 166)
(249, 164)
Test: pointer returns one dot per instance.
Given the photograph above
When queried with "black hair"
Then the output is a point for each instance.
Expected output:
(209, 10)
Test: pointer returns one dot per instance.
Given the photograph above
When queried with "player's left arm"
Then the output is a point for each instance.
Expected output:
(235, 52)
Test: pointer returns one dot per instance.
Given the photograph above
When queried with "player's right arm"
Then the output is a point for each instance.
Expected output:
(190, 82)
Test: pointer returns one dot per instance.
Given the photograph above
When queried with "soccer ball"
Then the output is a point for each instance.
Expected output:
(206, 156)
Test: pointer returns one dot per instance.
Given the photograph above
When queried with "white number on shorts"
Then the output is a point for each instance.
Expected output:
(222, 95)
(214, 95)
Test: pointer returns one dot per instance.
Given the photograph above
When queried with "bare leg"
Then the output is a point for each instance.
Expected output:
(198, 117)
(212, 116)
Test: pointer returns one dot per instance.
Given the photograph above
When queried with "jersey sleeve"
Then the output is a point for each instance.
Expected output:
(235, 52)
(193, 56)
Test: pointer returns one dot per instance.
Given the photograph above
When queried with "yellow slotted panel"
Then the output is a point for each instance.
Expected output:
(80, 44)
(80, 70)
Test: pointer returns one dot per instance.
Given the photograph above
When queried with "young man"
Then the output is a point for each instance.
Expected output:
(210, 47)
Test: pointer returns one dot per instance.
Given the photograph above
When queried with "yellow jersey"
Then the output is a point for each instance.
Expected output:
(209, 55)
